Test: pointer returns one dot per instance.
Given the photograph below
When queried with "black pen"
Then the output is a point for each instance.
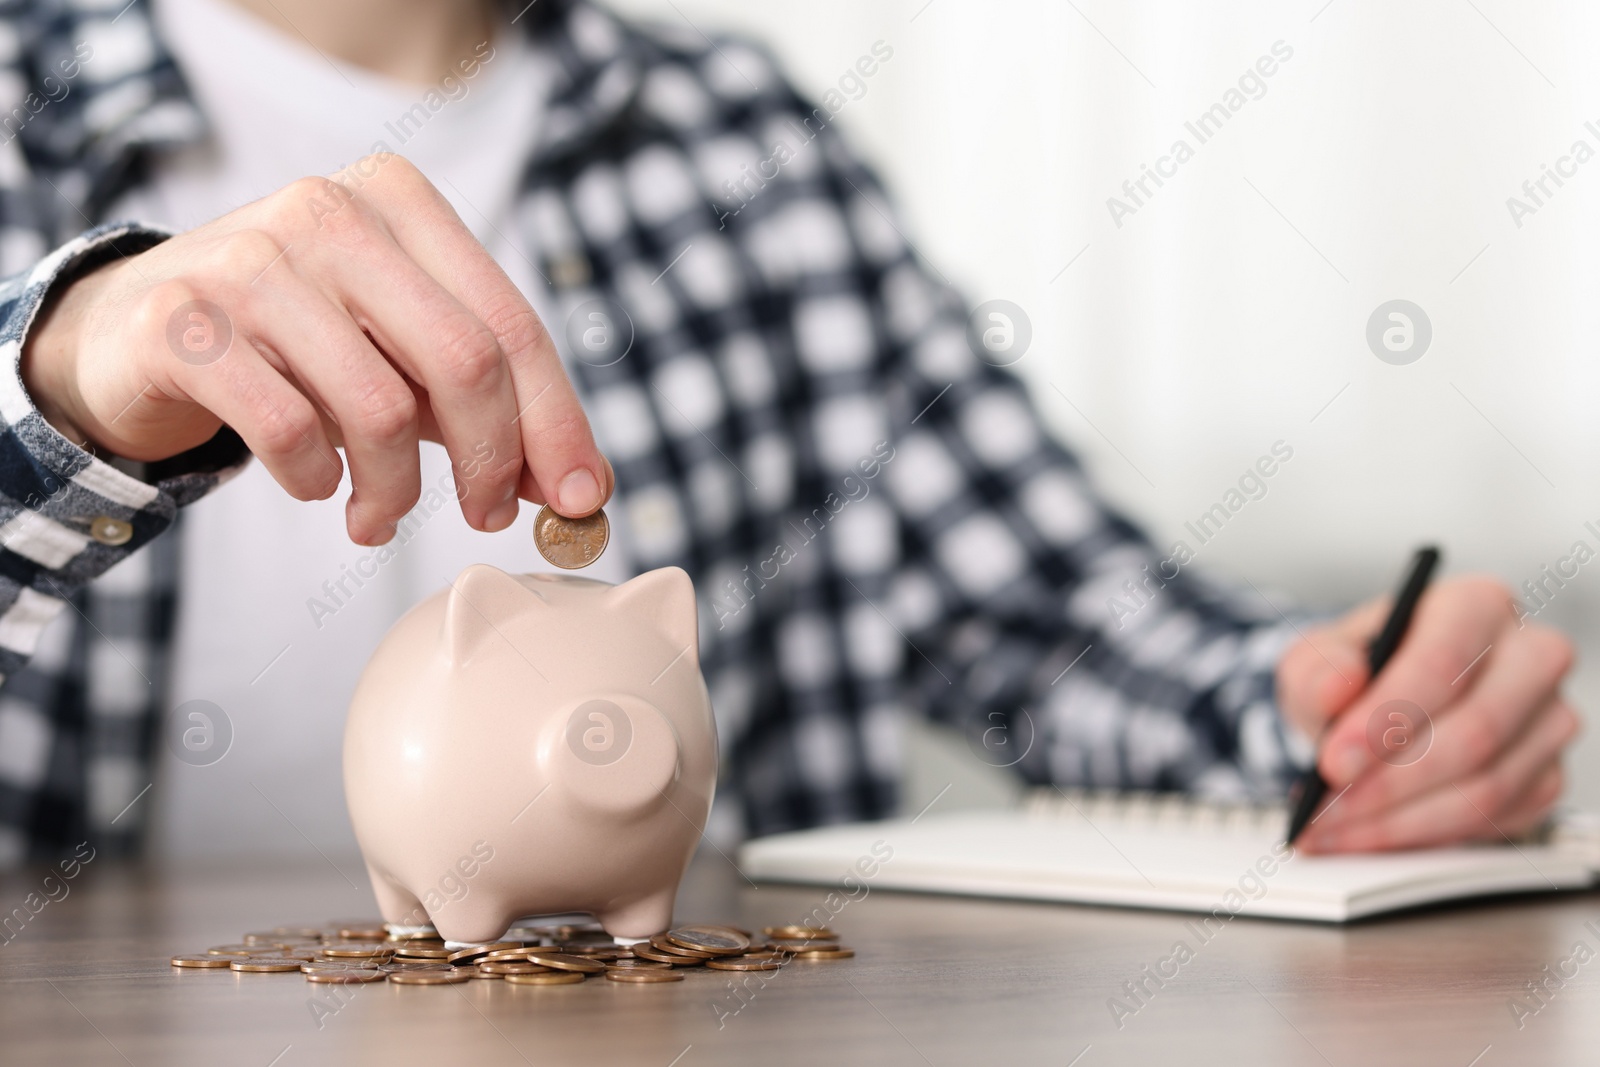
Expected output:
(1309, 788)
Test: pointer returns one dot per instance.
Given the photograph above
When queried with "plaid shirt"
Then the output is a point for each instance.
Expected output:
(874, 518)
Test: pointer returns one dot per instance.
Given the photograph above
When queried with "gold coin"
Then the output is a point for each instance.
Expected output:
(665, 974)
(464, 956)
(545, 978)
(264, 964)
(345, 975)
(447, 976)
(800, 933)
(719, 941)
(650, 952)
(202, 962)
(561, 961)
(570, 543)
(739, 964)
(825, 954)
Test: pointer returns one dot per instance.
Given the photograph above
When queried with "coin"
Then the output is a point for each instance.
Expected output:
(413, 952)
(800, 933)
(636, 965)
(308, 933)
(718, 941)
(346, 975)
(650, 952)
(356, 950)
(362, 932)
(736, 964)
(461, 957)
(508, 955)
(561, 961)
(666, 974)
(594, 952)
(264, 964)
(509, 967)
(232, 950)
(661, 943)
(546, 978)
(570, 543)
(202, 962)
(447, 976)
(282, 940)
(825, 954)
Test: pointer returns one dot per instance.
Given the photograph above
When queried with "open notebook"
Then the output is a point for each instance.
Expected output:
(1151, 851)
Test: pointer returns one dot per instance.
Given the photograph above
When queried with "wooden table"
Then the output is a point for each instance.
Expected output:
(936, 981)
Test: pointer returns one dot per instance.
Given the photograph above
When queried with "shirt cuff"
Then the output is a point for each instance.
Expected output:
(65, 515)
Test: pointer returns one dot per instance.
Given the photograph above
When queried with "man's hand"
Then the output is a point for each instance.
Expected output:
(1488, 767)
(352, 311)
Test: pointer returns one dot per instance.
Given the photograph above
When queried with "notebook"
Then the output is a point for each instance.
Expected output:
(1162, 851)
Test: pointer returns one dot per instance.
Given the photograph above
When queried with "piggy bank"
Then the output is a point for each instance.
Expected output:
(533, 744)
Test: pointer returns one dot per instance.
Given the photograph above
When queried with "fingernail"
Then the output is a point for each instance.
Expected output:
(579, 493)
(501, 516)
(1349, 762)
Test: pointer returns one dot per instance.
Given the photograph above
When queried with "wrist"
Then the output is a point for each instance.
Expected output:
(49, 363)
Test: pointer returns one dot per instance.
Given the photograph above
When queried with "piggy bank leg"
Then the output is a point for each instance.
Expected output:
(474, 921)
(397, 904)
(642, 918)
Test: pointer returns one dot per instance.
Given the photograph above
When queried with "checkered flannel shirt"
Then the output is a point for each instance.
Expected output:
(874, 518)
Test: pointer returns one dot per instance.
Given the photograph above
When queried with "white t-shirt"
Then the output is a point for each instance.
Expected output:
(276, 615)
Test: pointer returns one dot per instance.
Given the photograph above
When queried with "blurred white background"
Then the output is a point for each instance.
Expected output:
(1230, 309)
(1227, 313)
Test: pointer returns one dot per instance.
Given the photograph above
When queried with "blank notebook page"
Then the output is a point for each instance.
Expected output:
(1145, 851)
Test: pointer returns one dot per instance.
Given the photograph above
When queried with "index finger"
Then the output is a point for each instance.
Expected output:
(1454, 626)
(557, 443)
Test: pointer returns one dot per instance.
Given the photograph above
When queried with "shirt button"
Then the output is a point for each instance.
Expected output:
(109, 531)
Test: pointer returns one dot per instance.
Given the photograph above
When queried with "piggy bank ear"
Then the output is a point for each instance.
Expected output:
(663, 598)
(481, 600)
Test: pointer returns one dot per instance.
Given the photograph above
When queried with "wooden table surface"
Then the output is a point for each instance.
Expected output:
(935, 981)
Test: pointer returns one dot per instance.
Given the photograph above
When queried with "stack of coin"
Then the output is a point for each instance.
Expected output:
(359, 951)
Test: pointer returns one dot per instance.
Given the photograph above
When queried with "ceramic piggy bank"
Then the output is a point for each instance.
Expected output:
(533, 744)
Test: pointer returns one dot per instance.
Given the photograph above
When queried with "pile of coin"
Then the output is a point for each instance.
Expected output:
(371, 951)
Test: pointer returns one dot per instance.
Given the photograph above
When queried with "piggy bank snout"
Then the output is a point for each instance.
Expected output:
(614, 754)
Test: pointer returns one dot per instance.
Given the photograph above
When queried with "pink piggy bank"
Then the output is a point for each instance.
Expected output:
(533, 744)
